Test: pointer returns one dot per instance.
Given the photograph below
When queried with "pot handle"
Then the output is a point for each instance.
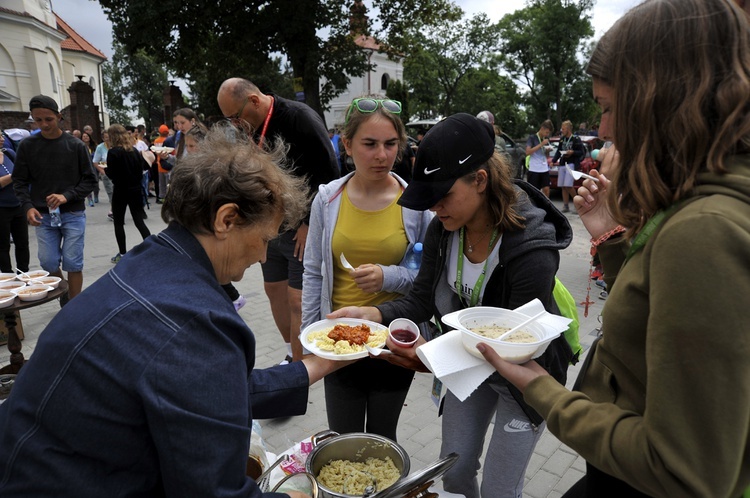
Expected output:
(314, 490)
(322, 436)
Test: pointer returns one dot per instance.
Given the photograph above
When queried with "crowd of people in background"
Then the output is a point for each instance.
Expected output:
(272, 185)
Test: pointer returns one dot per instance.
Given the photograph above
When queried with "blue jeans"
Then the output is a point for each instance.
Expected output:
(63, 243)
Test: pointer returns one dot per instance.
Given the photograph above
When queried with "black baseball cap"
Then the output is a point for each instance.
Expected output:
(452, 148)
(43, 102)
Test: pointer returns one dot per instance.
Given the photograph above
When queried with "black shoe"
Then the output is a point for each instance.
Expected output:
(64, 299)
(145, 216)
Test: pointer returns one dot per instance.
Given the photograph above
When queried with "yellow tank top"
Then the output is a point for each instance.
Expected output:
(375, 237)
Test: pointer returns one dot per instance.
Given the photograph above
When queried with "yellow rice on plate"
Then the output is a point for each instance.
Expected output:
(321, 340)
(337, 474)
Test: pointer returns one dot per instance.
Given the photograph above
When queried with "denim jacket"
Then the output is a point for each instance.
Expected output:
(143, 386)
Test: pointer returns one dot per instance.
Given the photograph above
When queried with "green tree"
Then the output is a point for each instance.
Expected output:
(541, 45)
(446, 58)
(241, 38)
(397, 90)
(484, 88)
(137, 79)
(114, 93)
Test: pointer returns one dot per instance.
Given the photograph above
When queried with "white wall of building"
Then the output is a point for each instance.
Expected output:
(30, 61)
(370, 83)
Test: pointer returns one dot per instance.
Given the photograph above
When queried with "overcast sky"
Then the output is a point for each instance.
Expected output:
(88, 19)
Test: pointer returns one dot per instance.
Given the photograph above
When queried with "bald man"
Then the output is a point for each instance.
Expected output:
(268, 117)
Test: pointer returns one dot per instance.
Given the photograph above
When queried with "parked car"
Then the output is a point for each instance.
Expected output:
(587, 163)
(516, 153)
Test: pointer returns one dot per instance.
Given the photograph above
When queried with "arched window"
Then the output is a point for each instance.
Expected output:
(92, 82)
(52, 77)
(384, 80)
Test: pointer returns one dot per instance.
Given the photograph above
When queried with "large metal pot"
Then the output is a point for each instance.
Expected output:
(356, 447)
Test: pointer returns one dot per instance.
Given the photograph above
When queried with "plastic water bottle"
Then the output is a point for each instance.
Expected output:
(55, 219)
(414, 258)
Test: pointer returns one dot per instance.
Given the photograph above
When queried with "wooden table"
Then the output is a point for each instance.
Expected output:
(14, 343)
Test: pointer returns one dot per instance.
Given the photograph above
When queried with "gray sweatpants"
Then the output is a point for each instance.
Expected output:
(513, 439)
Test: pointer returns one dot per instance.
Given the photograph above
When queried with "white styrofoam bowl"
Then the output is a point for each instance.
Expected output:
(10, 285)
(31, 275)
(6, 298)
(32, 292)
(7, 277)
(513, 352)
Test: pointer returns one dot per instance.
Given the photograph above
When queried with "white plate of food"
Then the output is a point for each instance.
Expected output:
(6, 298)
(31, 275)
(32, 292)
(10, 286)
(7, 277)
(315, 338)
(50, 281)
(158, 150)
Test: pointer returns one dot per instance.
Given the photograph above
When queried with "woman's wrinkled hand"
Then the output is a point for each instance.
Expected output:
(518, 375)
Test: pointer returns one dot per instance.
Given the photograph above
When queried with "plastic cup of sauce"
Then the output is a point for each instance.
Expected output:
(403, 332)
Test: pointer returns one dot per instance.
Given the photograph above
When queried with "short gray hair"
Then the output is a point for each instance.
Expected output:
(230, 169)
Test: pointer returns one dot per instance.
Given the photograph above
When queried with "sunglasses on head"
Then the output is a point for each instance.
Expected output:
(367, 105)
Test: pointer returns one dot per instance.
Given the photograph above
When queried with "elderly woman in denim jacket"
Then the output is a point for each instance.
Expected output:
(145, 384)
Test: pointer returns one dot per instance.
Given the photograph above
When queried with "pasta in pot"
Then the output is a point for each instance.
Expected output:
(337, 475)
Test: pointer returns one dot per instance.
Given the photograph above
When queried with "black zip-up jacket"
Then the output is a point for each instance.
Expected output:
(529, 259)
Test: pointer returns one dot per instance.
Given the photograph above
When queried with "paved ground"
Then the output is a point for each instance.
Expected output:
(553, 468)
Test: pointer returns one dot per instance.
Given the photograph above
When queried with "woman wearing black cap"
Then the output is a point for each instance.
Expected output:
(492, 243)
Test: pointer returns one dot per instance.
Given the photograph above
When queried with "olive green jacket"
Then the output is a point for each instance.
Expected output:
(665, 403)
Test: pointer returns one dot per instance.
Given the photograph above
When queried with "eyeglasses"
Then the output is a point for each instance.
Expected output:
(367, 105)
(238, 115)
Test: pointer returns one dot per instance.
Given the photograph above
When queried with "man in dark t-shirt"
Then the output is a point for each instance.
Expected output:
(53, 174)
(311, 155)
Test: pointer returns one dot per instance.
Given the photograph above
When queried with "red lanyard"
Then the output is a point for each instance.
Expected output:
(265, 124)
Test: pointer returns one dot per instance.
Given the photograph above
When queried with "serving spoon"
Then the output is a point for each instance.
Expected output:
(577, 175)
(521, 325)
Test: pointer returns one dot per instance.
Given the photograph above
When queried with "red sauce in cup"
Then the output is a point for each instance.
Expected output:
(403, 335)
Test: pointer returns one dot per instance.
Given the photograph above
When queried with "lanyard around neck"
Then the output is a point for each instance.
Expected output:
(265, 124)
(567, 142)
(460, 269)
(648, 230)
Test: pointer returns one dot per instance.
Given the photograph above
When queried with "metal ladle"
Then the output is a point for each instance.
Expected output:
(370, 489)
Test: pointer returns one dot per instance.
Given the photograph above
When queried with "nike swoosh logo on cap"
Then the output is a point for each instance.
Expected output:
(467, 158)
(430, 171)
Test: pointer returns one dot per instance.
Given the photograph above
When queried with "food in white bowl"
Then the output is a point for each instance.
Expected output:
(33, 292)
(30, 275)
(7, 277)
(485, 324)
(13, 284)
(6, 298)
(50, 281)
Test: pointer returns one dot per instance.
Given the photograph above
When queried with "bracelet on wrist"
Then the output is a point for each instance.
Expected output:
(606, 236)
